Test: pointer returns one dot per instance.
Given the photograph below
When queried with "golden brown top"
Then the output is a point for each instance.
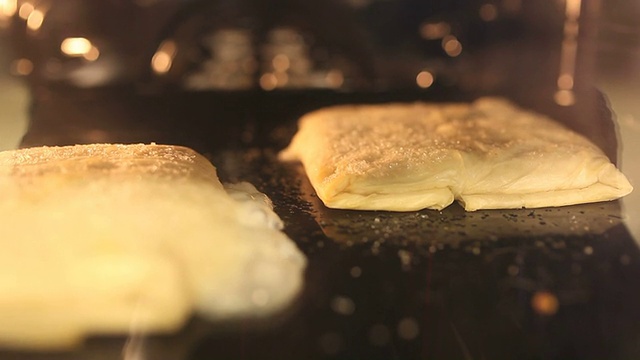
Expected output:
(112, 160)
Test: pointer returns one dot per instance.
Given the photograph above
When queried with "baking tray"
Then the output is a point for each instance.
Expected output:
(380, 285)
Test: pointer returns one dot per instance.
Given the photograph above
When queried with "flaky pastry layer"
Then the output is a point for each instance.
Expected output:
(489, 154)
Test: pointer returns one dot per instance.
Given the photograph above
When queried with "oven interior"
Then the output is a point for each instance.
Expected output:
(230, 79)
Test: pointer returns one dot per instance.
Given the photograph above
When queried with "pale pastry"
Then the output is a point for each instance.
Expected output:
(489, 154)
(112, 239)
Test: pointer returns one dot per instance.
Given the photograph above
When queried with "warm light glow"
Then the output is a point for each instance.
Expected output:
(281, 79)
(488, 12)
(451, 46)
(75, 46)
(573, 9)
(432, 31)
(92, 55)
(565, 82)
(22, 67)
(424, 79)
(281, 63)
(545, 303)
(564, 97)
(569, 52)
(335, 78)
(408, 328)
(268, 81)
(25, 10)
(162, 60)
(35, 20)
(8, 7)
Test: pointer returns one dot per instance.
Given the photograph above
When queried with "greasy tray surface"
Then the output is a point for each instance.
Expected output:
(468, 279)
(428, 284)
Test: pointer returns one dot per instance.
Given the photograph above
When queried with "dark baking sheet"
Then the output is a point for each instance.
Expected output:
(379, 285)
(466, 279)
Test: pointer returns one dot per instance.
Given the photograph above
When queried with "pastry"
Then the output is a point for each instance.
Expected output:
(489, 154)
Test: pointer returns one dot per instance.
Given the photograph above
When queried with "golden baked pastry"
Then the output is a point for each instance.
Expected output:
(110, 239)
(489, 154)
